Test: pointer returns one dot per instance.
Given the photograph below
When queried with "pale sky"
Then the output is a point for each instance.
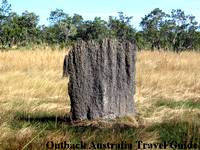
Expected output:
(104, 8)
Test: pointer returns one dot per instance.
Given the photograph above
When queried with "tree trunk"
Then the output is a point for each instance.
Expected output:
(101, 79)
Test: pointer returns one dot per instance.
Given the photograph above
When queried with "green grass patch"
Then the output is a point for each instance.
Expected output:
(39, 120)
(76, 132)
(102, 135)
(178, 104)
(177, 131)
(171, 130)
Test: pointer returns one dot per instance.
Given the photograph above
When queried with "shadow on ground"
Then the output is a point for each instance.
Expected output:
(48, 119)
(61, 127)
(42, 118)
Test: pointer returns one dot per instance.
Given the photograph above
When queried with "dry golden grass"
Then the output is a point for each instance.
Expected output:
(168, 75)
(31, 82)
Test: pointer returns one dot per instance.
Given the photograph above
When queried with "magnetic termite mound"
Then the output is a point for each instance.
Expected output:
(101, 78)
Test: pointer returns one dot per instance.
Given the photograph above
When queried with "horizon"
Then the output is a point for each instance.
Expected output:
(89, 9)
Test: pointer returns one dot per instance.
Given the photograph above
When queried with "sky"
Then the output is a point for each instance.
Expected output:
(105, 8)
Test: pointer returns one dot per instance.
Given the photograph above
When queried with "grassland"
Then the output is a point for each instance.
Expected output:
(34, 103)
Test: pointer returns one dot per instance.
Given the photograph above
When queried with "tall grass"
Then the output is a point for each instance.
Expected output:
(34, 101)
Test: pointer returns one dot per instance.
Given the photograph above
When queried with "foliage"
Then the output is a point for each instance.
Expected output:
(176, 31)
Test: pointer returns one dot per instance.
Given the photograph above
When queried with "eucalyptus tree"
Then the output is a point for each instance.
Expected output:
(121, 28)
(184, 28)
(5, 9)
(62, 26)
(151, 25)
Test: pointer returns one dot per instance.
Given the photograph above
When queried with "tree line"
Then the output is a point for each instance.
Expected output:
(176, 31)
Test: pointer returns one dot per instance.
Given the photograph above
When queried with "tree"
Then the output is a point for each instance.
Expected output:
(11, 30)
(166, 33)
(62, 27)
(140, 41)
(121, 27)
(192, 36)
(18, 30)
(151, 25)
(77, 20)
(96, 29)
(57, 16)
(176, 31)
(28, 23)
(5, 9)
(183, 30)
